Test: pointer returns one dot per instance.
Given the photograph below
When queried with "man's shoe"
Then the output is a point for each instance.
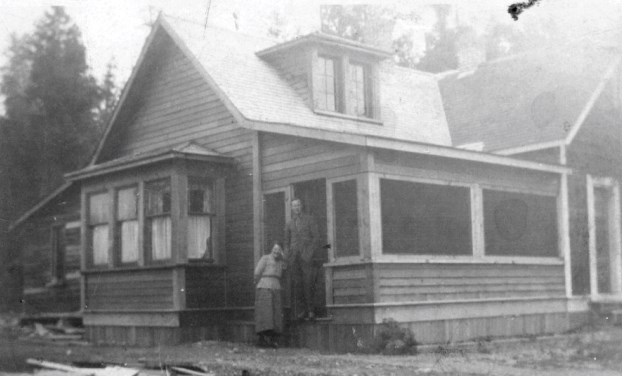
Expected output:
(311, 316)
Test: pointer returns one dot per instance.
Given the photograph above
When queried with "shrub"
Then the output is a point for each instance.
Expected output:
(392, 339)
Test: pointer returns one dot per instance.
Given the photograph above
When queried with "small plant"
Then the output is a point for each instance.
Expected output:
(392, 339)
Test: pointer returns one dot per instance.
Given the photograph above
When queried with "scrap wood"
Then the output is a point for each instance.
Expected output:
(191, 372)
(106, 371)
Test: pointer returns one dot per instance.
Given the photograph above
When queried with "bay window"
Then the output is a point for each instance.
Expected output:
(200, 222)
(98, 227)
(127, 225)
(158, 222)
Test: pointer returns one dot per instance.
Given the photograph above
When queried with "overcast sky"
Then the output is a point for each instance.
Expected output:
(117, 28)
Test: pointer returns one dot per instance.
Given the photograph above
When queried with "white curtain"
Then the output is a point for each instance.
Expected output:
(130, 241)
(161, 238)
(198, 231)
(100, 244)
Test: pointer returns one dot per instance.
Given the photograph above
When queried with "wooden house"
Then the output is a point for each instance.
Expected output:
(217, 131)
(47, 240)
(561, 106)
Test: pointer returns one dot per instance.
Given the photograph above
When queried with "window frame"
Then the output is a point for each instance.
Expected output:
(118, 225)
(90, 226)
(330, 209)
(213, 215)
(478, 256)
(146, 247)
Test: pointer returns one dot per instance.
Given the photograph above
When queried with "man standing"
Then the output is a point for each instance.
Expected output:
(301, 241)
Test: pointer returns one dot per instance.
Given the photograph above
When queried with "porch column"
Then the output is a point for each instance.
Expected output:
(370, 229)
(615, 244)
(591, 227)
(564, 241)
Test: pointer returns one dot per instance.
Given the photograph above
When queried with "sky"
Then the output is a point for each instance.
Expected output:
(117, 29)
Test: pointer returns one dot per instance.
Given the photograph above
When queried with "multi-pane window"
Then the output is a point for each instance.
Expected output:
(158, 223)
(420, 218)
(325, 86)
(519, 224)
(201, 215)
(358, 90)
(127, 225)
(98, 227)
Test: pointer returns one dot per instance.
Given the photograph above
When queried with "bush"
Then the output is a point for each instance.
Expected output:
(392, 339)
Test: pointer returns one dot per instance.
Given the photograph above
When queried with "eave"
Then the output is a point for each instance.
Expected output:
(124, 164)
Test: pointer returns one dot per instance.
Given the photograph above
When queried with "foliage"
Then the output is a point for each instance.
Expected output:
(54, 109)
(392, 339)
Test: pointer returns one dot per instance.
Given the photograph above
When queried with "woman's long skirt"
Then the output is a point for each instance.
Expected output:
(268, 310)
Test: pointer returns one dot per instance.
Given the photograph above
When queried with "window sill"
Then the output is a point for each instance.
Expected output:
(349, 117)
(415, 259)
(122, 269)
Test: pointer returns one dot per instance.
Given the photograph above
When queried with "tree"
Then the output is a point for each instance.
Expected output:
(51, 102)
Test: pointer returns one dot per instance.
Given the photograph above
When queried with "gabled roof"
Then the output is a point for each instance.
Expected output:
(412, 108)
(259, 98)
(539, 98)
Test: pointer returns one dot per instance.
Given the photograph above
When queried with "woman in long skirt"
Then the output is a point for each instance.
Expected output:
(268, 306)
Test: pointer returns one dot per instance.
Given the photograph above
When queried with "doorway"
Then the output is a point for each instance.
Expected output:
(312, 194)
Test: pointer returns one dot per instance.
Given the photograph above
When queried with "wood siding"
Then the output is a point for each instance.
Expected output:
(205, 287)
(293, 68)
(434, 282)
(41, 292)
(130, 290)
(286, 160)
(352, 284)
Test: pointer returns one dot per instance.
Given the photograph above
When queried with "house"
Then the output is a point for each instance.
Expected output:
(560, 106)
(216, 132)
(47, 240)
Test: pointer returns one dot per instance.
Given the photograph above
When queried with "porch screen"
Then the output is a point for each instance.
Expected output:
(346, 219)
(99, 227)
(519, 224)
(127, 225)
(158, 220)
(420, 218)
(199, 225)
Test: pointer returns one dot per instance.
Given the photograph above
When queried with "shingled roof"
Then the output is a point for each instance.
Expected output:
(411, 104)
(534, 98)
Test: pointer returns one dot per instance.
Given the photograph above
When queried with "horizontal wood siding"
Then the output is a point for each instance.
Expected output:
(438, 168)
(61, 298)
(128, 290)
(352, 284)
(433, 282)
(205, 287)
(287, 160)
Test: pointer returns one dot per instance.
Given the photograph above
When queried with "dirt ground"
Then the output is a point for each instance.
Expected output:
(591, 352)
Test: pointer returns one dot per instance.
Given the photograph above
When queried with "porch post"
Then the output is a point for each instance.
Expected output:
(615, 240)
(370, 230)
(564, 241)
(591, 227)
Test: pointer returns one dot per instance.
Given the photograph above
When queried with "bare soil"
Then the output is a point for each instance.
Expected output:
(591, 352)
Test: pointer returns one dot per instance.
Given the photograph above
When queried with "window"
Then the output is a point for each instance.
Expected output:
(200, 222)
(58, 253)
(127, 225)
(325, 90)
(346, 219)
(99, 228)
(158, 223)
(519, 224)
(420, 218)
(358, 91)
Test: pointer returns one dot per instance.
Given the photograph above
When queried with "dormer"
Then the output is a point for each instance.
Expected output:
(340, 76)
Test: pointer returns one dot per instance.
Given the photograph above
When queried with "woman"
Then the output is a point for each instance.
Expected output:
(268, 306)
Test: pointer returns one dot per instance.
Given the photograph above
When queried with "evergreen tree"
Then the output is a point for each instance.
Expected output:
(52, 102)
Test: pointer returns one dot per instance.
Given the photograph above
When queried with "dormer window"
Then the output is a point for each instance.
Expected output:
(359, 90)
(326, 84)
(343, 86)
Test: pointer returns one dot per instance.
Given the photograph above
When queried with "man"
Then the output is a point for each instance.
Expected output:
(301, 241)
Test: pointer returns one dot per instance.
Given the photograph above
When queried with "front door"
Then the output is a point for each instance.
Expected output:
(312, 194)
